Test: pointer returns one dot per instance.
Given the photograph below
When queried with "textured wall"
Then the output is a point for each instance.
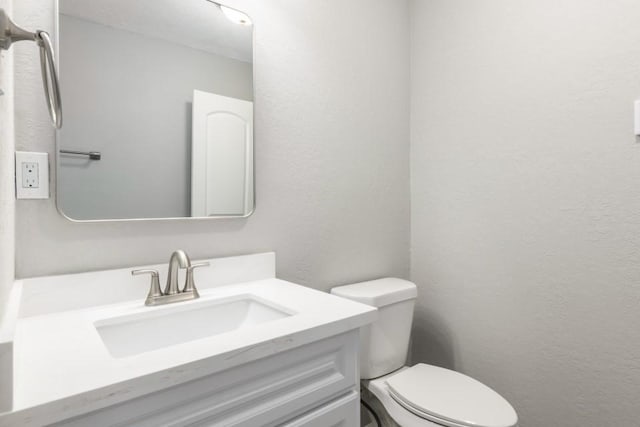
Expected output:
(7, 212)
(145, 169)
(526, 202)
(331, 154)
(7, 192)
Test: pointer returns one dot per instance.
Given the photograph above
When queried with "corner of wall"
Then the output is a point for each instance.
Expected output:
(7, 215)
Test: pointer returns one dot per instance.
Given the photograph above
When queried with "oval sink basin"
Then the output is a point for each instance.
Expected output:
(157, 328)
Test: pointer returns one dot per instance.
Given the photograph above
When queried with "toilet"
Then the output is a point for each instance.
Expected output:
(421, 395)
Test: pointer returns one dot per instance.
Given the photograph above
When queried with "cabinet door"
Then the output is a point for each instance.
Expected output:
(261, 393)
(343, 412)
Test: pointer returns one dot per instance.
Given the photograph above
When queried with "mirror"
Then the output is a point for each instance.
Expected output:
(158, 99)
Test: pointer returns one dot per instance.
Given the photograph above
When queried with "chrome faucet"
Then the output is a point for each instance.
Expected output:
(172, 293)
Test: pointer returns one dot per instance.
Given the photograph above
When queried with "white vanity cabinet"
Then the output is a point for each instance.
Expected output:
(274, 353)
(343, 412)
(313, 385)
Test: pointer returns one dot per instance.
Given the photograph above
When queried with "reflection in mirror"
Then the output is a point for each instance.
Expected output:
(161, 92)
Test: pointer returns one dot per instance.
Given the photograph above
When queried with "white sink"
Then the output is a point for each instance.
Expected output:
(156, 328)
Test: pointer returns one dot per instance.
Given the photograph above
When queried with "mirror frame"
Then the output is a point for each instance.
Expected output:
(56, 30)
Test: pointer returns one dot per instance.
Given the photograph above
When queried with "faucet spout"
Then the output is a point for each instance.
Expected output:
(179, 259)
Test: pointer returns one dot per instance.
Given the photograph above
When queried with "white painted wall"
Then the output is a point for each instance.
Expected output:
(332, 159)
(7, 213)
(526, 201)
(7, 192)
(145, 169)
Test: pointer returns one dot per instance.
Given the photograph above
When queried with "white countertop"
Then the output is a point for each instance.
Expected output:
(63, 369)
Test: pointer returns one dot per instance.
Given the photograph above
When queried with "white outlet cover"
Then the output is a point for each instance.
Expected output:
(32, 175)
(30, 171)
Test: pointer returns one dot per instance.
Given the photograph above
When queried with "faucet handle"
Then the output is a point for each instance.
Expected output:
(154, 290)
(200, 264)
(190, 285)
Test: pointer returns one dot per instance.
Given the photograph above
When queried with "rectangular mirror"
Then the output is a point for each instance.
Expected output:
(158, 101)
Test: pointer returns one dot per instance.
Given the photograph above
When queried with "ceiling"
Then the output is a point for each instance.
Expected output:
(198, 24)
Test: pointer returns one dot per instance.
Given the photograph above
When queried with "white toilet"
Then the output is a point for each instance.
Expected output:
(422, 395)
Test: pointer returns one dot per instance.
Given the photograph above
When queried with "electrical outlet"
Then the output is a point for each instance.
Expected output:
(32, 175)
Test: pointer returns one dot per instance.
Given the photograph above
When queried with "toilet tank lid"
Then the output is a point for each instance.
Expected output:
(378, 293)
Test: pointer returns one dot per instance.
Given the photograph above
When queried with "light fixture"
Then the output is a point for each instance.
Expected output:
(235, 16)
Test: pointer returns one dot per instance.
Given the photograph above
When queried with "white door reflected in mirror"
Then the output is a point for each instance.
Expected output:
(221, 181)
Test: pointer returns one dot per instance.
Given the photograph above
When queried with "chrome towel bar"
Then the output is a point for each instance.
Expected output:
(93, 155)
(11, 33)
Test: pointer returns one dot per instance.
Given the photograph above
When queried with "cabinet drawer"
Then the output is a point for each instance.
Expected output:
(263, 392)
(343, 412)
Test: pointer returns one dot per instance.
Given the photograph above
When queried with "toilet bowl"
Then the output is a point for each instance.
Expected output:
(421, 395)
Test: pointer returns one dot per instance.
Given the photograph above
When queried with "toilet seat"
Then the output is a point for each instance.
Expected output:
(425, 415)
(429, 395)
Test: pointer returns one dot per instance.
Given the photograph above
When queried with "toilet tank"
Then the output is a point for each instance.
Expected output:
(384, 343)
